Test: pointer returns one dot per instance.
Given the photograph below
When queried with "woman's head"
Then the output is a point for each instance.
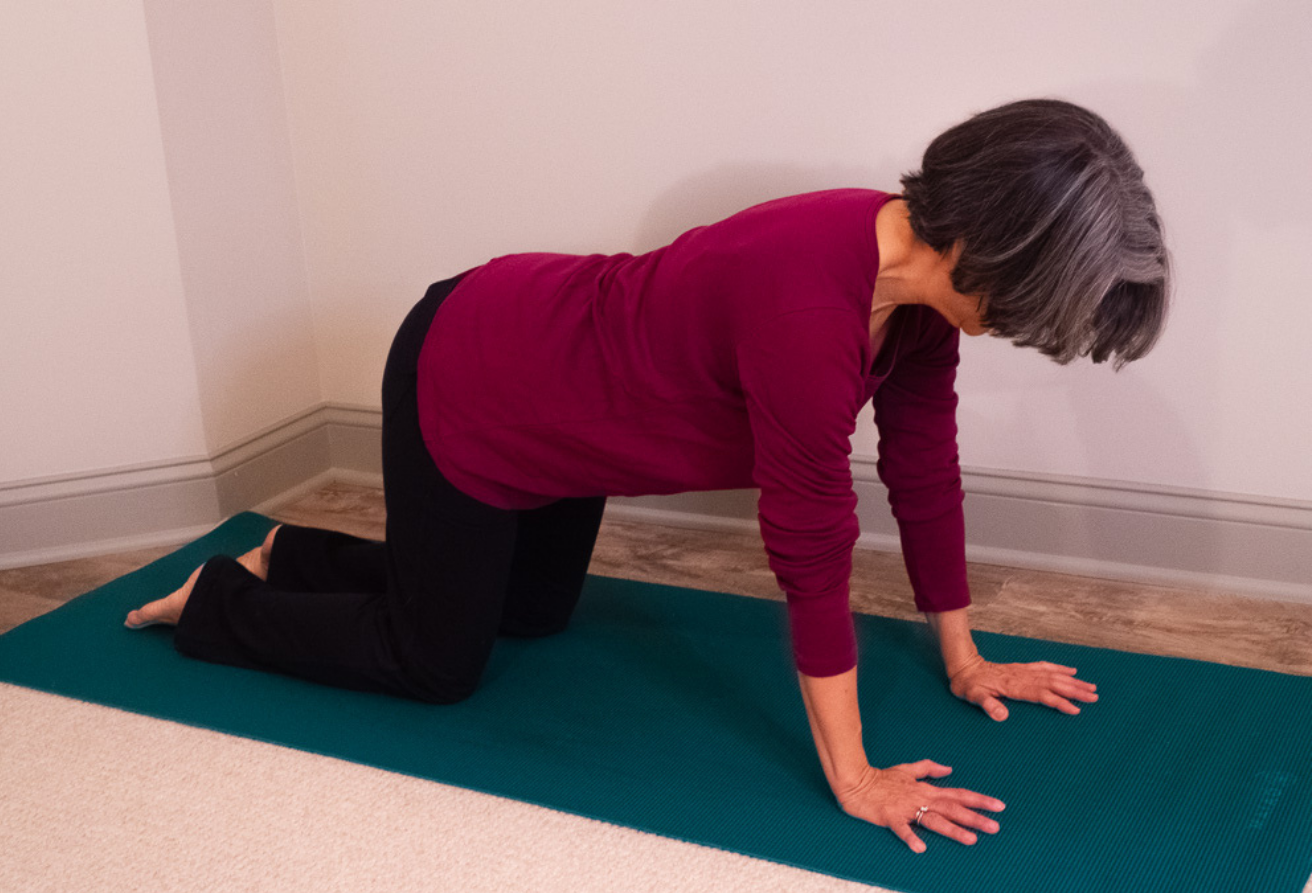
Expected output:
(1056, 230)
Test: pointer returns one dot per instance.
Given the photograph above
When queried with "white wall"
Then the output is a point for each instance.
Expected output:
(96, 369)
(430, 136)
(156, 298)
(153, 292)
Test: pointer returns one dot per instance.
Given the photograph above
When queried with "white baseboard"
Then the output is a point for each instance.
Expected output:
(1158, 535)
(1104, 569)
(71, 551)
(1110, 530)
(119, 509)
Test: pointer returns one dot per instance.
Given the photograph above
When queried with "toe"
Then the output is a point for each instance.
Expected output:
(149, 614)
(163, 610)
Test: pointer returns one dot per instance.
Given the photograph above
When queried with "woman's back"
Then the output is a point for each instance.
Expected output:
(547, 376)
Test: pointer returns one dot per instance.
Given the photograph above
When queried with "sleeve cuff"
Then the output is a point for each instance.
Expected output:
(824, 639)
(935, 555)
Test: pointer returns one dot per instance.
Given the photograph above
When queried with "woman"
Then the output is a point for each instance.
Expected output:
(520, 395)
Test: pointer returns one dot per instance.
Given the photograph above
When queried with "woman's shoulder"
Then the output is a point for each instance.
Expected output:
(785, 243)
(821, 202)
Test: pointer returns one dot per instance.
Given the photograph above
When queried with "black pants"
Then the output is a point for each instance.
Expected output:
(417, 614)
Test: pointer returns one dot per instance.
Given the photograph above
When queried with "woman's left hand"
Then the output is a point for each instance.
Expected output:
(985, 684)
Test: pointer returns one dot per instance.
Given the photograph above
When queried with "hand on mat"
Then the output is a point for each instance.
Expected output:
(894, 798)
(984, 683)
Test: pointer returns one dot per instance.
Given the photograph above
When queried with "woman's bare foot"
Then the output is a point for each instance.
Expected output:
(168, 609)
(257, 560)
(165, 610)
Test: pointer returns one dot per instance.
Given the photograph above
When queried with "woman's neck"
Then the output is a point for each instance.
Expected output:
(910, 272)
(892, 284)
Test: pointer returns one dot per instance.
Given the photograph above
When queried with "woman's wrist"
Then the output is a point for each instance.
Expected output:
(952, 628)
(852, 787)
(835, 719)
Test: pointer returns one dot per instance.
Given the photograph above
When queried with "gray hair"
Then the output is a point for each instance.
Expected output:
(1059, 235)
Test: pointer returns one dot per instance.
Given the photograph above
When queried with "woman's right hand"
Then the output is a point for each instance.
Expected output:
(893, 798)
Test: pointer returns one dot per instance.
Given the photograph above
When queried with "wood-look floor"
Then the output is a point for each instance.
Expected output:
(1217, 627)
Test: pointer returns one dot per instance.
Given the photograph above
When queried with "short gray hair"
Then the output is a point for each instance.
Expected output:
(1059, 235)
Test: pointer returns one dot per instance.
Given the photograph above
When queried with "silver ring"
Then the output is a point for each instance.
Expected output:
(920, 814)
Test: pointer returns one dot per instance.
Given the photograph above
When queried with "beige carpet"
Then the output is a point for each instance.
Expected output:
(93, 798)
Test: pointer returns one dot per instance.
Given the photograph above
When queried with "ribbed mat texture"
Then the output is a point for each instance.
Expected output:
(677, 712)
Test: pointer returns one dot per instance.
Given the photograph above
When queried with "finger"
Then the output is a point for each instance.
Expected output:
(928, 768)
(1063, 679)
(969, 799)
(993, 707)
(967, 818)
(1057, 702)
(1066, 687)
(1056, 668)
(903, 830)
(939, 824)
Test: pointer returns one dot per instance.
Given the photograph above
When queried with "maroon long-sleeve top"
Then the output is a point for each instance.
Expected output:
(737, 356)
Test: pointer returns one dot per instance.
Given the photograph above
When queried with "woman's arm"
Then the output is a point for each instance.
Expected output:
(892, 797)
(974, 679)
(915, 411)
(803, 383)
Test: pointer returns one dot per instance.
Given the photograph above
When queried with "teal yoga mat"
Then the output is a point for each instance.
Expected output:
(676, 712)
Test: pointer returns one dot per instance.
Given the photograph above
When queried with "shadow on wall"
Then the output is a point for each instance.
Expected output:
(726, 189)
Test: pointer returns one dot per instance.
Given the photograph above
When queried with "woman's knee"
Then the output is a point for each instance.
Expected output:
(445, 678)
